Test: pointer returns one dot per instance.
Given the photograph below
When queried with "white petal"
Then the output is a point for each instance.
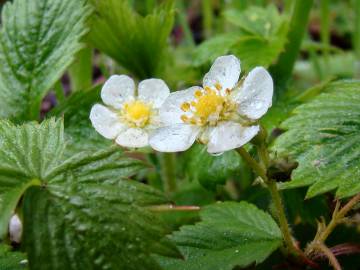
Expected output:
(175, 138)
(15, 229)
(117, 89)
(133, 137)
(255, 95)
(105, 121)
(170, 111)
(225, 71)
(153, 90)
(230, 135)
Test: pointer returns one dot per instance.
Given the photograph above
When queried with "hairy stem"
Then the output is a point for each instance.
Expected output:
(171, 207)
(337, 218)
(280, 214)
(327, 252)
(275, 195)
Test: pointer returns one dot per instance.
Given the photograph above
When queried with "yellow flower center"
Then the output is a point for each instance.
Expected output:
(136, 113)
(208, 107)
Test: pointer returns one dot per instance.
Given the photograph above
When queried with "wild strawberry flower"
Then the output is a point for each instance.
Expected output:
(131, 114)
(223, 114)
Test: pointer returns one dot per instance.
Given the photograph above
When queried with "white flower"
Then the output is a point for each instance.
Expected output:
(223, 114)
(15, 229)
(131, 115)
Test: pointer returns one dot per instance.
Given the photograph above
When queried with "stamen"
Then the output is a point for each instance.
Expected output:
(193, 103)
(228, 91)
(184, 118)
(198, 93)
(208, 90)
(185, 106)
(218, 86)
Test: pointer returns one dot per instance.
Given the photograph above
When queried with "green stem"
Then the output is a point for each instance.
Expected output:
(356, 34)
(282, 70)
(168, 169)
(188, 38)
(275, 195)
(59, 91)
(207, 14)
(259, 170)
(325, 26)
(280, 214)
(171, 208)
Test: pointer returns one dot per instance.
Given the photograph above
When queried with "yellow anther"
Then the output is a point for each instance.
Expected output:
(184, 118)
(185, 106)
(198, 93)
(218, 86)
(208, 90)
(193, 103)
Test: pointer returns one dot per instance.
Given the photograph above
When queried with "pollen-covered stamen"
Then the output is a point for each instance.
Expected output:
(208, 107)
(136, 113)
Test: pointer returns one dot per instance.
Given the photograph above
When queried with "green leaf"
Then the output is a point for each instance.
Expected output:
(230, 234)
(74, 208)
(323, 136)
(27, 155)
(258, 40)
(79, 133)
(256, 51)
(256, 20)
(38, 40)
(11, 260)
(214, 47)
(137, 43)
(210, 170)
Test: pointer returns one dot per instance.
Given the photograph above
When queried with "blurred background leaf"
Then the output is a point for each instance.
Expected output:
(137, 42)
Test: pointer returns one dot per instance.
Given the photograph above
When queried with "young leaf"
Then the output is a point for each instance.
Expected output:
(324, 137)
(38, 40)
(230, 234)
(75, 208)
(135, 42)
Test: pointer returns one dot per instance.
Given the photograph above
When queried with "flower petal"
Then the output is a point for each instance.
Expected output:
(153, 90)
(230, 135)
(225, 71)
(175, 138)
(170, 111)
(105, 121)
(255, 95)
(133, 137)
(117, 89)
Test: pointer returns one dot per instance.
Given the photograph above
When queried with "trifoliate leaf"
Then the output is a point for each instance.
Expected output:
(38, 40)
(134, 41)
(12, 260)
(210, 170)
(230, 234)
(323, 136)
(81, 212)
